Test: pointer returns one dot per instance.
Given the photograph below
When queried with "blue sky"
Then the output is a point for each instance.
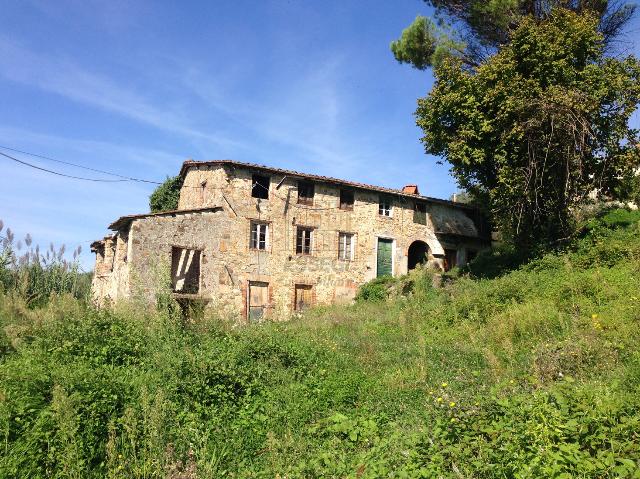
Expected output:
(138, 87)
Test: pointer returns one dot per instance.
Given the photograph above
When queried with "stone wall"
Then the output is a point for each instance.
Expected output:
(228, 264)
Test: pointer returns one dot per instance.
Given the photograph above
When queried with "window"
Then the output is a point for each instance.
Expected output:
(185, 270)
(345, 246)
(259, 235)
(303, 240)
(305, 192)
(420, 213)
(346, 199)
(304, 297)
(384, 206)
(260, 186)
(450, 259)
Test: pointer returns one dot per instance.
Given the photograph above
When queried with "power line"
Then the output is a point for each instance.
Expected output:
(128, 178)
(58, 173)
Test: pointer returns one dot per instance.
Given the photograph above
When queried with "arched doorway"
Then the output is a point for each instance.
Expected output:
(417, 254)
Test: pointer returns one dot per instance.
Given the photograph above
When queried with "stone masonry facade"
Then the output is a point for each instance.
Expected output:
(256, 242)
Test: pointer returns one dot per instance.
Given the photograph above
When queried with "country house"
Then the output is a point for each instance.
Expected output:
(260, 241)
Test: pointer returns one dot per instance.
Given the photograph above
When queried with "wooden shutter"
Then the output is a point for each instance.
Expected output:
(304, 296)
(258, 300)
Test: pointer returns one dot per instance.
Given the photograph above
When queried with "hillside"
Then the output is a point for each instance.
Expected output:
(535, 373)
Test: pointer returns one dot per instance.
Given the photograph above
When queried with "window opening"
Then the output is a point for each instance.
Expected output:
(305, 192)
(420, 213)
(185, 270)
(260, 186)
(384, 206)
(303, 240)
(259, 235)
(345, 246)
(346, 199)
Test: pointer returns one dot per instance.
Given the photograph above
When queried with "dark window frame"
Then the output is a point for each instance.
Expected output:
(260, 185)
(306, 192)
(347, 199)
(420, 213)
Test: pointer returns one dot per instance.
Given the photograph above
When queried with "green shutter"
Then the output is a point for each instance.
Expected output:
(384, 257)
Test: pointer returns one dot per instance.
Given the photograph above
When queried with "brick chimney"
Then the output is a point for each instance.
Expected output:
(410, 190)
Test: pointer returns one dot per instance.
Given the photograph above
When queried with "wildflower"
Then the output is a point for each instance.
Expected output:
(439, 399)
(511, 382)
(444, 385)
(453, 419)
(452, 404)
(594, 316)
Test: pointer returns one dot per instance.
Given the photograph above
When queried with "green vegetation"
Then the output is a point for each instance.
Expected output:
(166, 196)
(472, 30)
(538, 127)
(535, 373)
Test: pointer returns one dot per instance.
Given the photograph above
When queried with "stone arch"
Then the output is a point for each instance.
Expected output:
(417, 254)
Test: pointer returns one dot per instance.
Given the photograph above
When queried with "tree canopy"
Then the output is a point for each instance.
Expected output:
(538, 126)
(472, 30)
(165, 197)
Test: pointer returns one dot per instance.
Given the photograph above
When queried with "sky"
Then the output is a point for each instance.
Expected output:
(138, 87)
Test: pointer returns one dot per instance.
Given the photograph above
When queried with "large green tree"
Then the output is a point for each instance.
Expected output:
(165, 197)
(539, 125)
(473, 30)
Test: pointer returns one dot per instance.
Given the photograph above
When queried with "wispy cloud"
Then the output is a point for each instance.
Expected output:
(66, 78)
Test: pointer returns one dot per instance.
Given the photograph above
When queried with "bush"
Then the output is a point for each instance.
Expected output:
(535, 373)
(377, 289)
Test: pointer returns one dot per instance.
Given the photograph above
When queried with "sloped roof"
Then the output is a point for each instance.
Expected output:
(319, 178)
(124, 221)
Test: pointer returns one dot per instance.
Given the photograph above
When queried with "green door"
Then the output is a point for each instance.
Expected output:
(384, 257)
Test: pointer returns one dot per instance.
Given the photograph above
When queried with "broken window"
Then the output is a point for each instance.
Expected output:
(304, 296)
(260, 186)
(345, 246)
(185, 270)
(259, 235)
(450, 259)
(305, 192)
(384, 206)
(303, 240)
(420, 213)
(346, 199)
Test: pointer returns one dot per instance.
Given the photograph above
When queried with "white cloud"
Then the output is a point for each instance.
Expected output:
(66, 78)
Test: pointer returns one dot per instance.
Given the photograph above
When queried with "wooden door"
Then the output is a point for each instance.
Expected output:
(385, 260)
(304, 296)
(258, 300)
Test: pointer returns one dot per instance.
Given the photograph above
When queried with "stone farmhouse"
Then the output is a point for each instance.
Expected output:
(255, 241)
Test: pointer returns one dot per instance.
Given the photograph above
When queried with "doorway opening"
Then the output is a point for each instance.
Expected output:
(417, 254)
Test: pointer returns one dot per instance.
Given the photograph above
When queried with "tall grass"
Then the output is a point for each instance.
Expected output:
(535, 373)
(35, 275)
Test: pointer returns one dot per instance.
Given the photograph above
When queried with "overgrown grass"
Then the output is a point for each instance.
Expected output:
(535, 373)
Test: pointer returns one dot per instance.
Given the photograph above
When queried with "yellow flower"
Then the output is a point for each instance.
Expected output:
(439, 399)
(444, 385)
(452, 404)
(594, 316)
(453, 419)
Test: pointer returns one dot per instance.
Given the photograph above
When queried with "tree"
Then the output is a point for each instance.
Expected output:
(473, 30)
(538, 126)
(165, 197)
